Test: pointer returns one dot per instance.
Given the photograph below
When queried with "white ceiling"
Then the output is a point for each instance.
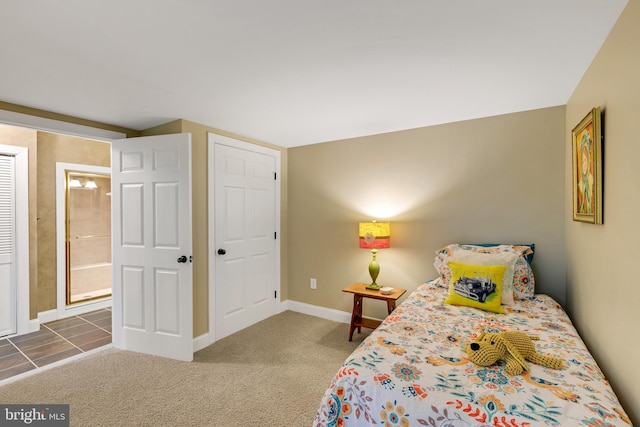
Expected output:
(297, 72)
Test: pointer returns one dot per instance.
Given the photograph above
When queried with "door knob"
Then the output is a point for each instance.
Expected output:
(221, 251)
(183, 258)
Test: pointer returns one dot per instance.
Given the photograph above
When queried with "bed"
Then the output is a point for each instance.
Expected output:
(412, 370)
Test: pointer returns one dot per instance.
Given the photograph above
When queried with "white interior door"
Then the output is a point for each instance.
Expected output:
(8, 286)
(152, 271)
(246, 247)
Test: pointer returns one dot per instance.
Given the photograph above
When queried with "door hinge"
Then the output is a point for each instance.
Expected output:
(275, 175)
(275, 294)
(275, 235)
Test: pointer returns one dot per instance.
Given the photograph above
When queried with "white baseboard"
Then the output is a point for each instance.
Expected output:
(203, 341)
(83, 308)
(322, 312)
(75, 310)
(34, 325)
(207, 338)
(48, 316)
(283, 306)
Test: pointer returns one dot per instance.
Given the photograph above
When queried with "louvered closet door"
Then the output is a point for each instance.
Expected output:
(7, 246)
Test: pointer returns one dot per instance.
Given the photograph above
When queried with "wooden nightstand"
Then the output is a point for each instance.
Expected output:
(359, 292)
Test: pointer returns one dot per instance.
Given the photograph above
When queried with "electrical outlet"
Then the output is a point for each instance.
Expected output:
(313, 283)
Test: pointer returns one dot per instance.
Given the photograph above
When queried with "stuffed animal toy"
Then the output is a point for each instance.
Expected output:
(514, 347)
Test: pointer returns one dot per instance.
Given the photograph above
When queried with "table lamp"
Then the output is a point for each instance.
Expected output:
(374, 235)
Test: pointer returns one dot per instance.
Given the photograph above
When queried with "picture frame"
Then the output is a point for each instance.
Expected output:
(586, 150)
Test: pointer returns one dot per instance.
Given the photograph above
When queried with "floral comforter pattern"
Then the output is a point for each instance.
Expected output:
(412, 371)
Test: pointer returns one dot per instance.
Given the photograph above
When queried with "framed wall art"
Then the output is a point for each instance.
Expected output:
(587, 169)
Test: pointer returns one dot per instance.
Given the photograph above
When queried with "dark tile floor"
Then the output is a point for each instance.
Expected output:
(54, 341)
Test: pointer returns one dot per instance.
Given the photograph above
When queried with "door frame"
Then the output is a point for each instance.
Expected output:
(22, 279)
(212, 139)
(43, 124)
(61, 231)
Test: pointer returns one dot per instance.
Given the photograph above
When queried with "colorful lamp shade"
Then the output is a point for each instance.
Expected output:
(374, 235)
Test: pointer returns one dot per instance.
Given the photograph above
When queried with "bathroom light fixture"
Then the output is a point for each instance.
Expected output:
(75, 183)
(82, 183)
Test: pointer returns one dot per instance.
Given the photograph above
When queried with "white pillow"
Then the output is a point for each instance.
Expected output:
(507, 259)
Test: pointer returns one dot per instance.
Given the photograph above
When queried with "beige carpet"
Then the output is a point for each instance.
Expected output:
(271, 374)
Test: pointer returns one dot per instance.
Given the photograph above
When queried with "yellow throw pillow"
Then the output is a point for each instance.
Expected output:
(478, 286)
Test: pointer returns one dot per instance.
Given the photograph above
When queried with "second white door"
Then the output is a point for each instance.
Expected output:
(245, 239)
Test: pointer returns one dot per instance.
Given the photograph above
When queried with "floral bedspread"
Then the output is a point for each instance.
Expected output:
(412, 371)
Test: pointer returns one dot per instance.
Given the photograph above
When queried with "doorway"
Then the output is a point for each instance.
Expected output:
(88, 236)
(34, 142)
(83, 223)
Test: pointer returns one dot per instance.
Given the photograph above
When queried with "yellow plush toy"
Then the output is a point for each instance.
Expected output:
(514, 347)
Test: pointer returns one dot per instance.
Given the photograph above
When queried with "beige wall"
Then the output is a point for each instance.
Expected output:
(53, 148)
(602, 287)
(496, 179)
(21, 137)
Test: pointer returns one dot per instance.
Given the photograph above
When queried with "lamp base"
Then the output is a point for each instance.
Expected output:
(374, 270)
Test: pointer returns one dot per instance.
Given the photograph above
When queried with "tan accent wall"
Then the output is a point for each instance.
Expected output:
(53, 148)
(496, 179)
(21, 137)
(602, 287)
(199, 155)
